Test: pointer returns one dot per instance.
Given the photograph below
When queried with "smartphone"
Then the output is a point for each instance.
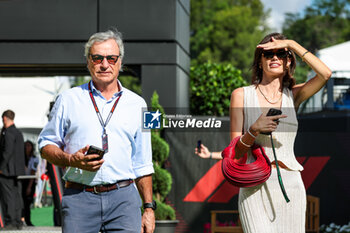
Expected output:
(273, 112)
(95, 150)
(199, 143)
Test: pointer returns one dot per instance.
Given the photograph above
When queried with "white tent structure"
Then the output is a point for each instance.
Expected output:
(30, 98)
(338, 60)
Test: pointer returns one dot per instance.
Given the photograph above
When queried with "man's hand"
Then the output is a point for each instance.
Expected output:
(80, 160)
(148, 221)
(144, 185)
(57, 156)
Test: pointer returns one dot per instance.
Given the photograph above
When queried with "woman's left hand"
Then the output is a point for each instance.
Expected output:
(203, 153)
(274, 44)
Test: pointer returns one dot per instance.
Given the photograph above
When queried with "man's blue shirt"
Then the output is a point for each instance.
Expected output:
(73, 124)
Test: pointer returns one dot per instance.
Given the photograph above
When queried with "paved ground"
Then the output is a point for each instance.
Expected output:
(36, 229)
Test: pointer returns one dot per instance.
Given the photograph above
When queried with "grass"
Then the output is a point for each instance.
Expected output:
(42, 216)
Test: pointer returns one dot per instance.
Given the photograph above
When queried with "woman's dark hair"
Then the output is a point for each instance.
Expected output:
(31, 151)
(257, 71)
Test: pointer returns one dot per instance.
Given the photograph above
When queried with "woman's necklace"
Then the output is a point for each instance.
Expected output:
(271, 102)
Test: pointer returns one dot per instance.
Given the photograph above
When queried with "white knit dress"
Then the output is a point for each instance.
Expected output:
(263, 208)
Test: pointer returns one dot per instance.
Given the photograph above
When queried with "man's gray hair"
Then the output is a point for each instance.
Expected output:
(103, 36)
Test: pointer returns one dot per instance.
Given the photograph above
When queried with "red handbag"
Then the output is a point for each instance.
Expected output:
(240, 174)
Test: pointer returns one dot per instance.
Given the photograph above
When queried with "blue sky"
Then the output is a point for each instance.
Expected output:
(280, 7)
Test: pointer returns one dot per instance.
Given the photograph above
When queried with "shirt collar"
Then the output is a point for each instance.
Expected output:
(121, 89)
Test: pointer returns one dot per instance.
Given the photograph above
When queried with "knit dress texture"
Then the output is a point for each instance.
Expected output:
(263, 208)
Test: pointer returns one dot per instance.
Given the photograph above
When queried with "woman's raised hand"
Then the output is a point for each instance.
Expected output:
(274, 44)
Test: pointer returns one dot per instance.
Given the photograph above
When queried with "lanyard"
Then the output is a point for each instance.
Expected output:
(103, 124)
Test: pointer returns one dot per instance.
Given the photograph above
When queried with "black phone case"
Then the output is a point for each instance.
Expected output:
(273, 112)
(95, 150)
(199, 143)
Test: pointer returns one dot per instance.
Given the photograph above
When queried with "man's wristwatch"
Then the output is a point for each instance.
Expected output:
(152, 205)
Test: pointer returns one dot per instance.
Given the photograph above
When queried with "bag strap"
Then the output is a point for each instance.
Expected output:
(278, 171)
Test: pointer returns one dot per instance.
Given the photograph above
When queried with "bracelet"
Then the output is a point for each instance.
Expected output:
(251, 133)
(211, 155)
(302, 57)
(244, 144)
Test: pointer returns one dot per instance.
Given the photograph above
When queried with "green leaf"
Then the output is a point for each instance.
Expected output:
(213, 84)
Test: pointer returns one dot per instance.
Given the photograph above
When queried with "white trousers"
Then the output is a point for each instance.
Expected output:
(263, 208)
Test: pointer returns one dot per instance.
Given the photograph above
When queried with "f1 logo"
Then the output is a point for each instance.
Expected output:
(151, 120)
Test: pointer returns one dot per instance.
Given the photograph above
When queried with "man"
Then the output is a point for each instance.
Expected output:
(11, 166)
(99, 193)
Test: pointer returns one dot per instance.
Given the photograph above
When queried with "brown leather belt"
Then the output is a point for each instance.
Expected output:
(99, 188)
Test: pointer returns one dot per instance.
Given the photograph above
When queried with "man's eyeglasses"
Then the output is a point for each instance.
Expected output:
(97, 59)
(268, 54)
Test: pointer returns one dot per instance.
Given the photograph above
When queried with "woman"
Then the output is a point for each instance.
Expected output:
(263, 208)
(28, 185)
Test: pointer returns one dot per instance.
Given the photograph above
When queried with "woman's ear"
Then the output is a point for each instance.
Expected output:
(289, 61)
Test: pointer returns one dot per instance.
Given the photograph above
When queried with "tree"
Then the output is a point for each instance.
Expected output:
(226, 31)
(324, 23)
(161, 178)
(211, 88)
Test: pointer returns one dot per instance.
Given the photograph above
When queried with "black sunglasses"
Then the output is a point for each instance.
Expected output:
(280, 54)
(97, 59)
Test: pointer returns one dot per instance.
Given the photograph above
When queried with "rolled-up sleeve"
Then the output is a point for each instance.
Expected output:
(53, 132)
(142, 158)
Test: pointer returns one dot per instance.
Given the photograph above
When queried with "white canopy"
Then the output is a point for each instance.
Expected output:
(337, 59)
(30, 98)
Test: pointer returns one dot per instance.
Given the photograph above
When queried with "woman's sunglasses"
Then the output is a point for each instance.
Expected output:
(97, 59)
(280, 54)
